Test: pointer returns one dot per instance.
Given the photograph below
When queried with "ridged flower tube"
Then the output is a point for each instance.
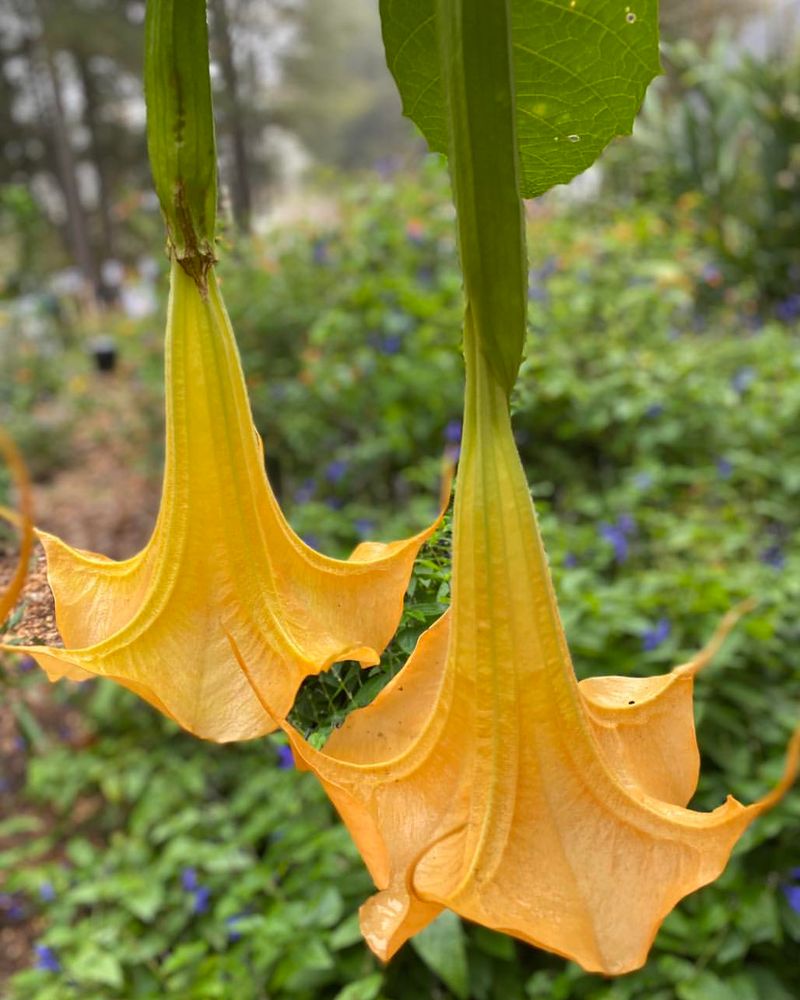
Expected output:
(222, 567)
(486, 779)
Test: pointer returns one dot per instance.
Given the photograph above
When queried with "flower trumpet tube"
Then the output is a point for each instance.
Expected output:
(486, 779)
(222, 564)
(24, 522)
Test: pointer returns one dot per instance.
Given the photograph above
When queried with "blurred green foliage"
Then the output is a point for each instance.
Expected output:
(724, 129)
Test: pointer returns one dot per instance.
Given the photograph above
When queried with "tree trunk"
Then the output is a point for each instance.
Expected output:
(92, 120)
(241, 202)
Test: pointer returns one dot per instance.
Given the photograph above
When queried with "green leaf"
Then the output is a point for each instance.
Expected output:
(362, 989)
(581, 71)
(92, 965)
(180, 128)
(442, 947)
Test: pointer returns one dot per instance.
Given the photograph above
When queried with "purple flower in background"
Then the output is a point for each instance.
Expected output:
(452, 432)
(571, 560)
(231, 923)
(652, 638)
(724, 468)
(364, 526)
(391, 344)
(202, 898)
(305, 492)
(425, 276)
(626, 524)
(792, 893)
(387, 166)
(46, 959)
(11, 906)
(319, 252)
(642, 481)
(311, 541)
(617, 535)
(285, 758)
(336, 470)
(26, 664)
(743, 379)
(46, 892)
(788, 310)
(334, 503)
(189, 882)
(654, 410)
(773, 556)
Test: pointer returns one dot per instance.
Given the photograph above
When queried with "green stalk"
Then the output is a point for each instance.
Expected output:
(476, 61)
(180, 129)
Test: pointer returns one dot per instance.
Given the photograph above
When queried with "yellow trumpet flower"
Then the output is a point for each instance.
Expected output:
(222, 565)
(486, 779)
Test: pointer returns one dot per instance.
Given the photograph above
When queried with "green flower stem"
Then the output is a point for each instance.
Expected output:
(180, 129)
(475, 53)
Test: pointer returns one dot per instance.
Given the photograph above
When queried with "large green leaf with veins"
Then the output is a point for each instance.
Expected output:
(581, 68)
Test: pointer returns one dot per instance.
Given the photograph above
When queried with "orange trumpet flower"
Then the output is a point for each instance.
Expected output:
(222, 564)
(24, 521)
(486, 779)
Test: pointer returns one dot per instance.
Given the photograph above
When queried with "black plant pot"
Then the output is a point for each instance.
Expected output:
(104, 352)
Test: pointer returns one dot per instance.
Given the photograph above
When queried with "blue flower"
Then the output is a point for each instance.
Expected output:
(334, 503)
(11, 906)
(773, 556)
(336, 470)
(452, 432)
(364, 526)
(189, 880)
(26, 664)
(571, 560)
(743, 379)
(231, 923)
(652, 638)
(617, 535)
(626, 524)
(46, 892)
(46, 959)
(724, 468)
(654, 410)
(285, 758)
(305, 492)
(202, 898)
(319, 252)
(788, 309)
(391, 344)
(311, 541)
(642, 480)
(792, 893)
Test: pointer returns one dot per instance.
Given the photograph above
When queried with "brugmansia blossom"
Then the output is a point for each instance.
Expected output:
(485, 779)
(24, 520)
(222, 566)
